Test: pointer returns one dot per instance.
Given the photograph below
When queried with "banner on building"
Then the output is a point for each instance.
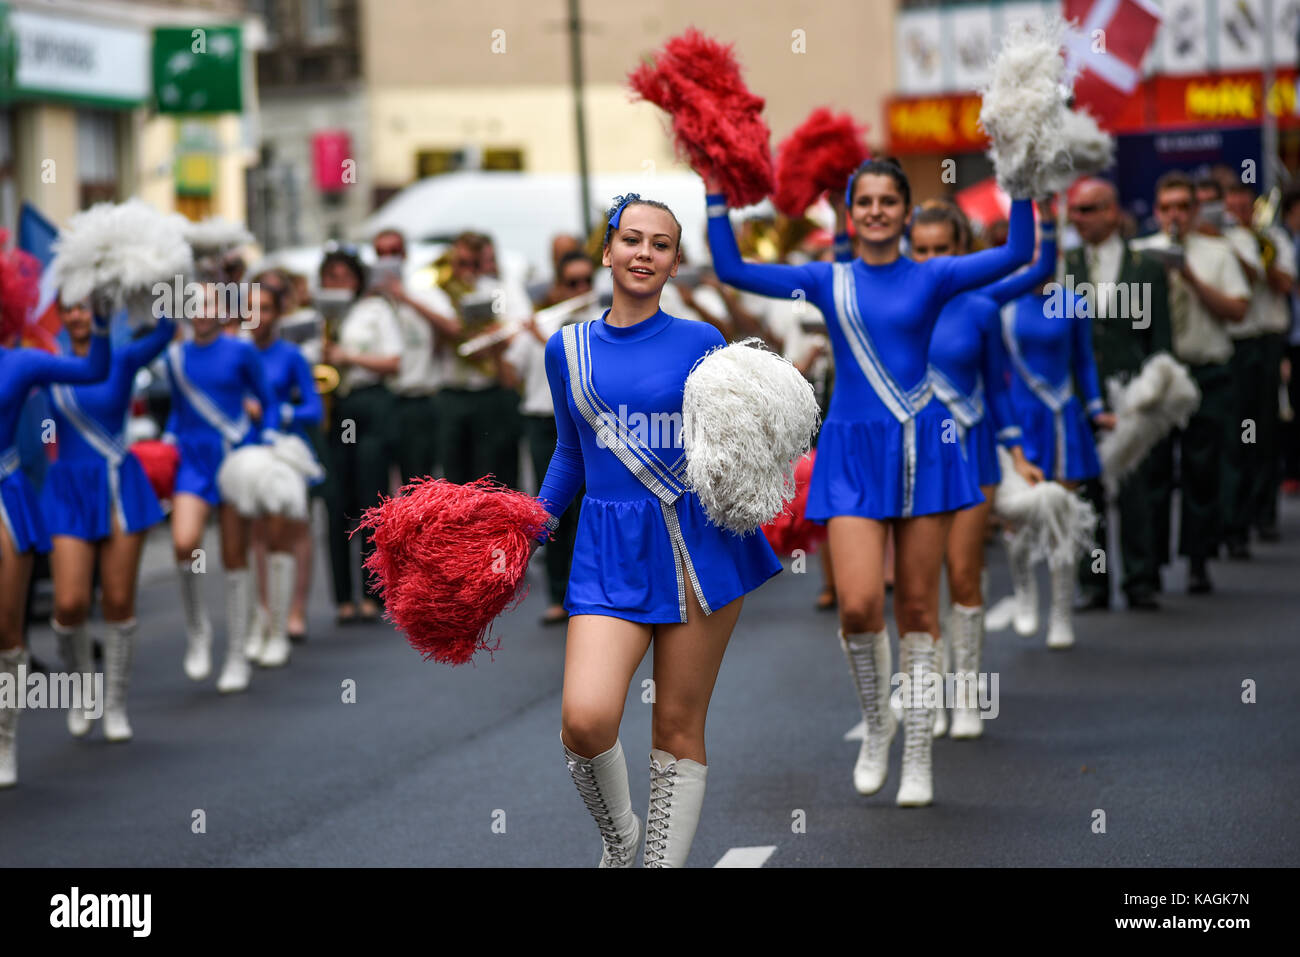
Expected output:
(198, 70)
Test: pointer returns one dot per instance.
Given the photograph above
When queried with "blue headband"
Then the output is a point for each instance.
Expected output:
(613, 220)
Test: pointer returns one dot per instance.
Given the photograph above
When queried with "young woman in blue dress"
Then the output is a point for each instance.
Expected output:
(648, 567)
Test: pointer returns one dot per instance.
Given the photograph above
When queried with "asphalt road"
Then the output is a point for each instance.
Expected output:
(433, 766)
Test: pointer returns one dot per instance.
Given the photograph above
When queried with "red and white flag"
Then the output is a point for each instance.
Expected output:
(1104, 53)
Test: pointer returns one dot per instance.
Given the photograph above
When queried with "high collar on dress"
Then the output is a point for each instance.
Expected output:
(635, 332)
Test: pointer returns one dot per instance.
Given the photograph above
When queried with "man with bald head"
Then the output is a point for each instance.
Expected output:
(1121, 342)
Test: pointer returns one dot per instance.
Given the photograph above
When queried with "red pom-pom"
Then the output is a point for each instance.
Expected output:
(20, 288)
(449, 559)
(717, 122)
(160, 461)
(790, 530)
(819, 155)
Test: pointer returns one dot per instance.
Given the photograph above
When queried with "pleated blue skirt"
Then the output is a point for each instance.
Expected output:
(624, 564)
(76, 499)
(982, 453)
(20, 514)
(197, 473)
(860, 468)
(1036, 419)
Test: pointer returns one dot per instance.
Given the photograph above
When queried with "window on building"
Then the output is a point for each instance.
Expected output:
(504, 159)
(97, 144)
(320, 21)
(436, 162)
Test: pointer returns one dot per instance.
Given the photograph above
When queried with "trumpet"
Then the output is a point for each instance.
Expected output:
(549, 320)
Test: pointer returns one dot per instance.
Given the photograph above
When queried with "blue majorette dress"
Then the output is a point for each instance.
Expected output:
(970, 368)
(209, 384)
(293, 386)
(20, 370)
(618, 404)
(96, 479)
(1047, 338)
(886, 449)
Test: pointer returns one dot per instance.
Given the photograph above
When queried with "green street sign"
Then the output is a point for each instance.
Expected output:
(197, 70)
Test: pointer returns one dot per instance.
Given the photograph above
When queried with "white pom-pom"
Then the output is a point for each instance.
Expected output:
(1162, 397)
(267, 480)
(1090, 147)
(216, 235)
(1057, 523)
(115, 250)
(239, 477)
(748, 416)
(294, 452)
(1023, 111)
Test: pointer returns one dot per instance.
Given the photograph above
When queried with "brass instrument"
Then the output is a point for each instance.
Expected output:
(1265, 211)
(331, 304)
(549, 321)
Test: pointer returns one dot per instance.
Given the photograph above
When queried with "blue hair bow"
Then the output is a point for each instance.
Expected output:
(618, 213)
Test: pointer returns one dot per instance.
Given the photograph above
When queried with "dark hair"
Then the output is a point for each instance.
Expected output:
(572, 256)
(945, 211)
(880, 166)
(278, 288)
(354, 265)
(1176, 179)
(1237, 186)
(1289, 200)
(1211, 184)
(390, 231)
(632, 199)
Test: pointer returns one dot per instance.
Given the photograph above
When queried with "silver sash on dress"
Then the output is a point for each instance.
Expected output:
(967, 410)
(232, 431)
(666, 482)
(903, 404)
(9, 464)
(1054, 397)
(111, 448)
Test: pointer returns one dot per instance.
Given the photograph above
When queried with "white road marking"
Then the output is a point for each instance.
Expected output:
(857, 732)
(746, 856)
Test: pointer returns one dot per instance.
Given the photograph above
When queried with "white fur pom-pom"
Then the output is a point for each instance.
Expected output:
(116, 249)
(1023, 112)
(748, 416)
(239, 477)
(1057, 523)
(293, 451)
(1091, 148)
(1162, 397)
(216, 235)
(267, 480)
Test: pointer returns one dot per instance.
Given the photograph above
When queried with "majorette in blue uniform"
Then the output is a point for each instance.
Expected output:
(881, 452)
(293, 388)
(96, 479)
(970, 368)
(618, 403)
(20, 370)
(1048, 338)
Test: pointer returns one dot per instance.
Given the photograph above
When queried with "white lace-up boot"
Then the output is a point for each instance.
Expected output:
(1060, 627)
(198, 627)
(119, 650)
(869, 664)
(235, 673)
(602, 782)
(280, 568)
(74, 649)
(967, 643)
(10, 662)
(676, 796)
(919, 655)
(1025, 583)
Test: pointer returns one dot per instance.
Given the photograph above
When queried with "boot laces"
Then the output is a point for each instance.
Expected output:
(584, 778)
(917, 719)
(660, 815)
(865, 674)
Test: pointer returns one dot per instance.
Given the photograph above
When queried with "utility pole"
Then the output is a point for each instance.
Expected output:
(579, 117)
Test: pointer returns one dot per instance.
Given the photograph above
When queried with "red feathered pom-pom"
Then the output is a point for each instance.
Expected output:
(717, 122)
(160, 460)
(819, 155)
(449, 559)
(20, 288)
(790, 530)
